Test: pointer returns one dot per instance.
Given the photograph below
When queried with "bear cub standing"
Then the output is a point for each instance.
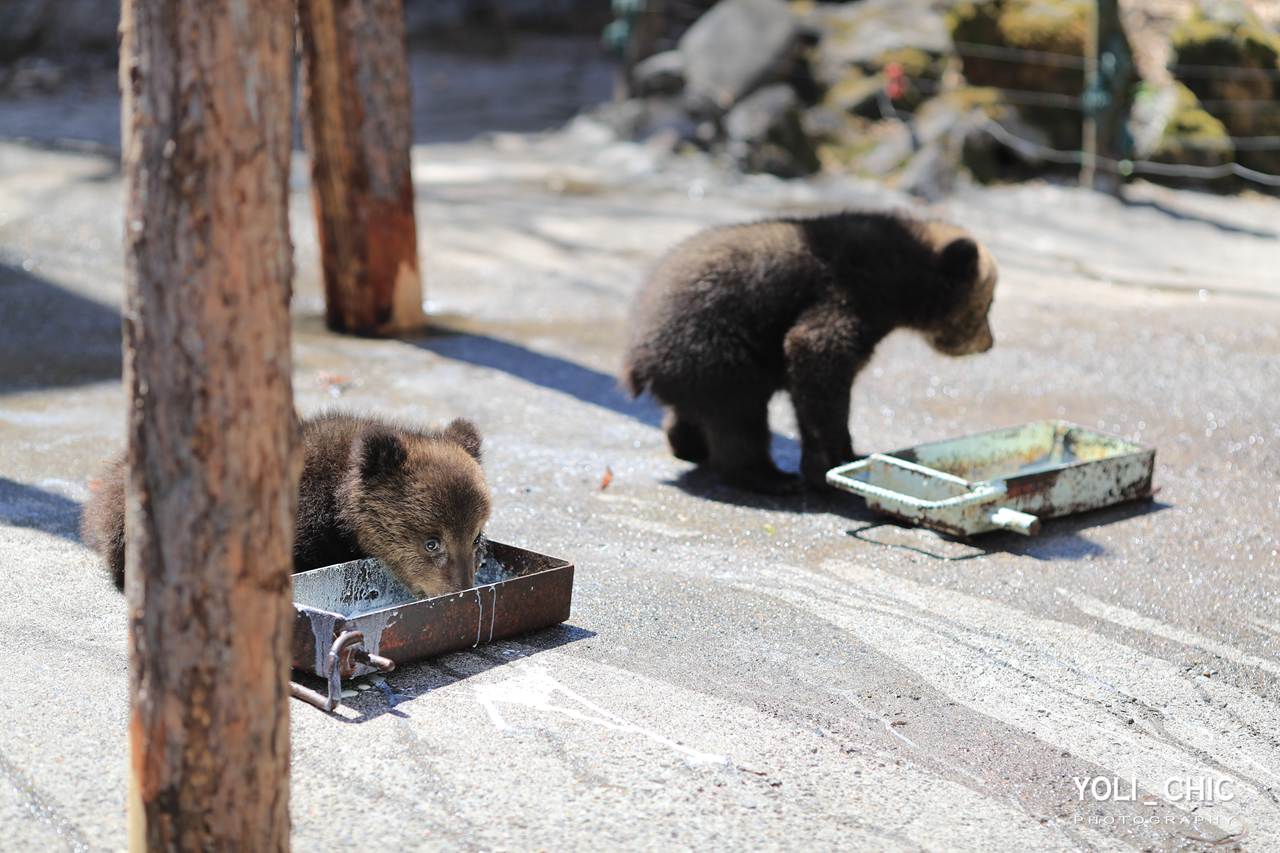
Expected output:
(415, 499)
(737, 313)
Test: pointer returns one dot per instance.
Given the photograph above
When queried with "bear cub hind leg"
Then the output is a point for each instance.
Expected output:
(738, 438)
(685, 437)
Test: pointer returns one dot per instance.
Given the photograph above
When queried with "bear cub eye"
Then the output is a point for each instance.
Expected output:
(434, 546)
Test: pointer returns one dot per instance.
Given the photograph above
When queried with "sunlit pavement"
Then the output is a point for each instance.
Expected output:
(738, 672)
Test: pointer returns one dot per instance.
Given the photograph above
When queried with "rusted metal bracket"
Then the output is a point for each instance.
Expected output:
(345, 640)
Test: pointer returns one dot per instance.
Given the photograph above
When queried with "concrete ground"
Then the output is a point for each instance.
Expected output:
(738, 673)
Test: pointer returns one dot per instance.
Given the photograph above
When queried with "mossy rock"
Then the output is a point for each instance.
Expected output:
(1180, 115)
(766, 133)
(862, 34)
(914, 62)
(1224, 33)
(944, 146)
(1189, 119)
(839, 149)
(855, 92)
(1052, 27)
(788, 152)
(956, 119)
(1228, 35)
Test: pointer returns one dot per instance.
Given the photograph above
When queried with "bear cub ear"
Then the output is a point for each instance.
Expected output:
(466, 435)
(378, 451)
(959, 259)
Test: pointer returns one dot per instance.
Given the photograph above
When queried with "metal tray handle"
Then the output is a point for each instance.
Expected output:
(340, 644)
(1019, 522)
(979, 507)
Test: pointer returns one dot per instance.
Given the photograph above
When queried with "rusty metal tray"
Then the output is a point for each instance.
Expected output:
(1004, 479)
(353, 618)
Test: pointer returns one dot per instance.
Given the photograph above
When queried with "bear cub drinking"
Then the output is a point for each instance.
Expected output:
(415, 499)
(737, 313)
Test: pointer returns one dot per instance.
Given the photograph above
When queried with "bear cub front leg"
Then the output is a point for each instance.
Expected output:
(823, 358)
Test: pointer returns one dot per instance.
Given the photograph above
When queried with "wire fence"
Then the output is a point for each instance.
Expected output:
(1034, 150)
(689, 11)
(1127, 167)
(1018, 54)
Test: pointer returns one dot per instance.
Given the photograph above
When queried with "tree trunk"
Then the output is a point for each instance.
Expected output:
(358, 131)
(213, 440)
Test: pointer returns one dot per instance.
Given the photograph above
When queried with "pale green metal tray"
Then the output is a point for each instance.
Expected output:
(1007, 479)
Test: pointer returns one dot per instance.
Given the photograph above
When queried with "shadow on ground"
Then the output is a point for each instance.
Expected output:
(589, 386)
(1220, 224)
(1059, 538)
(26, 506)
(700, 482)
(52, 338)
(409, 681)
(601, 389)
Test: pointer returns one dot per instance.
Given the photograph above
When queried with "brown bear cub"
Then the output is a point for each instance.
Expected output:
(415, 499)
(737, 313)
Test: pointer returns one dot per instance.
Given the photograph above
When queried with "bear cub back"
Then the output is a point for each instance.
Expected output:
(415, 499)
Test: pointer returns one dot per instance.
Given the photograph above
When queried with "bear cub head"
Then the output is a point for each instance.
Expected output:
(961, 326)
(419, 503)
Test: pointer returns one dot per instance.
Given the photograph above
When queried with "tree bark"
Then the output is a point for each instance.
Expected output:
(213, 452)
(358, 131)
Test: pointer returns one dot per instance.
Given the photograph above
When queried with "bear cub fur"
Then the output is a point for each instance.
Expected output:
(415, 499)
(737, 313)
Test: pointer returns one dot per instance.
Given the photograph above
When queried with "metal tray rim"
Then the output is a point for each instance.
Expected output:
(562, 564)
(1139, 449)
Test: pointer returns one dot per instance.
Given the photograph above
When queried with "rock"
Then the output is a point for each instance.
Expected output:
(823, 124)
(1227, 33)
(931, 174)
(858, 34)
(1172, 128)
(858, 93)
(988, 158)
(660, 74)
(895, 143)
(752, 118)
(1059, 27)
(638, 119)
(592, 128)
(953, 144)
(940, 132)
(736, 47)
(766, 134)
(1153, 108)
